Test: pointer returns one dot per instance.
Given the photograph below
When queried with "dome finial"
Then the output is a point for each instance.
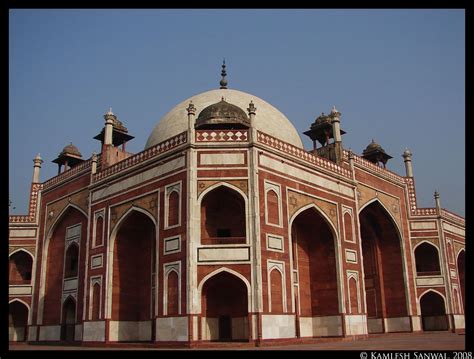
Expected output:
(223, 81)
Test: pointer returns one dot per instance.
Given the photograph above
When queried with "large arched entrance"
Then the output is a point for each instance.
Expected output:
(225, 308)
(433, 312)
(133, 266)
(461, 262)
(314, 258)
(383, 267)
(223, 217)
(68, 324)
(17, 321)
(67, 235)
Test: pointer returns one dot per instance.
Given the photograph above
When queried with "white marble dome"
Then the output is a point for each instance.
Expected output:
(267, 119)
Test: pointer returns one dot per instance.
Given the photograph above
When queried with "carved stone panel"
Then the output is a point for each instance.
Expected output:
(392, 204)
(434, 241)
(30, 250)
(298, 200)
(148, 203)
(241, 184)
(457, 247)
(53, 210)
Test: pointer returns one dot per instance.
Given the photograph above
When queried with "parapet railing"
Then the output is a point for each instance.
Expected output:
(31, 216)
(140, 157)
(82, 167)
(453, 217)
(301, 154)
(383, 172)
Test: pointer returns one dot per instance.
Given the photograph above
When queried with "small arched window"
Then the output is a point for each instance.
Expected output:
(276, 291)
(72, 258)
(173, 209)
(99, 231)
(427, 260)
(348, 227)
(273, 210)
(353, 296)
(96, 302)
(20, 266)
(173, 298)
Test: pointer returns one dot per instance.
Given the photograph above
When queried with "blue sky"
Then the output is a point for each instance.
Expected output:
(397, 76)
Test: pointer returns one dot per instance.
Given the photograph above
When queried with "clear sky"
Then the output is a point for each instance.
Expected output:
(397, 76)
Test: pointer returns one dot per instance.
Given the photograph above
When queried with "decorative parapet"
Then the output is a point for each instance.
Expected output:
(31, 216)
(373, 168)
(222, 136)
(453, 217)
(411, 194)
(301, 154)
(83, 167)
(415, 211)
(140, 157)
(425, 212)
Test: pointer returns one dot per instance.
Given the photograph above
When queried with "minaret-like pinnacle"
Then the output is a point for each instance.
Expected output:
(223, 81)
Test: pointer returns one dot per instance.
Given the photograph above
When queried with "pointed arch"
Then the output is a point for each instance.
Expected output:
(220, 228)
(326, 297)
(71, 260)
(433, 309)
(387, 212)
(22, 250)
(272, 207)
(45, 253)
(173, 200)
(20, 263)
(230, 271)
(20, 301)
(383, 253)
(427, 259)
(18, 313)
(225, 306)
(276, 290)
(436, 292)
(171, 288)
(110, 252)
(459, 253)
(59, 218)
(461, 269)
(320, 212)
(127, 213)
(219, 184)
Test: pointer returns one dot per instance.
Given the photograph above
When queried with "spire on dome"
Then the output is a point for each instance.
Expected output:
(223, 81)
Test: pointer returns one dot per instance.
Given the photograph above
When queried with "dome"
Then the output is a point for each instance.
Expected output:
(70, 150)
(373, 146)
(267, 119)
(320, 120)
(222, 113)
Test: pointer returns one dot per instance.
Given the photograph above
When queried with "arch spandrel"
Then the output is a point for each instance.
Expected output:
(79, 200)
(367, 194)
(434, 241)
(203, 185)
(148, 203)
(457, 248)
(30, 250)
(297, 201)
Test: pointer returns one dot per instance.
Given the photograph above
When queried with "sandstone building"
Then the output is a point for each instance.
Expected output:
(225, 228)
